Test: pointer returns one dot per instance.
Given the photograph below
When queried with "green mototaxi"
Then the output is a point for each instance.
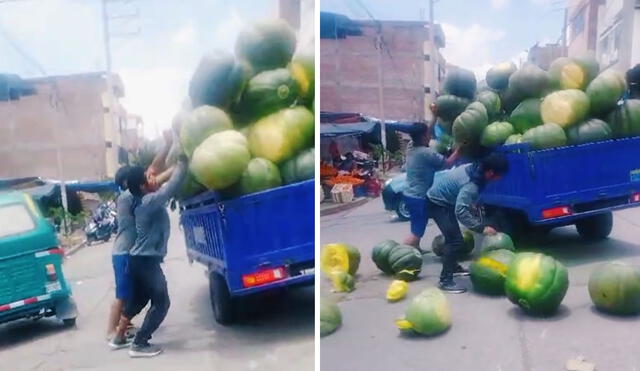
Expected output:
(32, 284)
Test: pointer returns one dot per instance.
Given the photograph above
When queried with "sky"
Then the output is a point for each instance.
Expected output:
(63, 37)
(478, 33)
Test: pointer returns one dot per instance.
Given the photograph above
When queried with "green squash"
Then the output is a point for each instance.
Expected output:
(339, 257)
(605, 91)
(342, 281)
(468, 126)
(437, 245)
(593, 130)
(266, 93)
(565, 107)
(615, 288)
(407, 260)
(260, 175)
(536, 282)
(450, 106)
(513, 139)
(380, 255)
(299, 168)
(573, 73)
(526, 115)
(498, 76)
(302, 69)
(545, 136)
(279, 136)
(460, 82)
(218, 81)
(427, 314)
(330, 317)
(528, 82)
(444, 144)
(220, 160)
(625, 119)
(200, 124)
(491, 102)
(488, 272)
(498, 241)
(495, 134)
(189, 188)
(266, 45)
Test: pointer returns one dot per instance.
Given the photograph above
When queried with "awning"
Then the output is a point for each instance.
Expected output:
(360, 128)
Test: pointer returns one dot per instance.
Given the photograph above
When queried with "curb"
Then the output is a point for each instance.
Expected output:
(73, 249)
(343, 207)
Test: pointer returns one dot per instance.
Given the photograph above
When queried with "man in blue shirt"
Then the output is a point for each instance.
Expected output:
(422, 163)
(146, 254)
(452, 199)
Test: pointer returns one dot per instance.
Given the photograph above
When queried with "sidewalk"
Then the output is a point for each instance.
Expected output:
(328, 207)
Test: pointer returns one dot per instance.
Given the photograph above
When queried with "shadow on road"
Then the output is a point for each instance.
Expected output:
(520, 315)
(263, 321)
(22, 331)
(567, 246)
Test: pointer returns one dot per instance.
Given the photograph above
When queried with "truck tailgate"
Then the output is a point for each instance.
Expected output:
(583, 175)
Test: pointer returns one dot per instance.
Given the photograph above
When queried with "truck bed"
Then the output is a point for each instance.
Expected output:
(589, 178)
(267, 229)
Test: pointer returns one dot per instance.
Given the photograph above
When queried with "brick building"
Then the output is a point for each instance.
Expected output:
(542, 56)
(73, 114)
(357, 55)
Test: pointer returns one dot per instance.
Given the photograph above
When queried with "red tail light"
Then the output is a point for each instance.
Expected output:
(51, 272)
(635, 197)
(263, 277)
(57, 251)
(556, 212)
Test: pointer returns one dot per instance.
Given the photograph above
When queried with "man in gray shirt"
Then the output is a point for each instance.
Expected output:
(148, 251)
(452, 199)
(422, 164)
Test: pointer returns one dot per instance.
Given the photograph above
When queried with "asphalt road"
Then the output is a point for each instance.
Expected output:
(487, 334)
(275, 333)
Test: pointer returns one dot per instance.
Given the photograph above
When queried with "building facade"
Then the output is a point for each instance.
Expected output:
(542, 56)
(70, 129)
(379, 68)
(608, 28)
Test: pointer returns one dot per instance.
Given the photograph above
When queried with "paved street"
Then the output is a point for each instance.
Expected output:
(277, 335)
(487, 334)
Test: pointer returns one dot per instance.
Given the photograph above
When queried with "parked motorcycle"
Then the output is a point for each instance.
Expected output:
(102, 225)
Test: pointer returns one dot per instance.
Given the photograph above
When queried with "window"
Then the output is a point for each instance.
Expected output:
(577, 25)
(610, 46)
(427, 90)
(15, 219)
(427, 57)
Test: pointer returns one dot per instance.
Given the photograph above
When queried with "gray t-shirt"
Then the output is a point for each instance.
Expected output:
(126, 236)
(422, 163)
(152, 219)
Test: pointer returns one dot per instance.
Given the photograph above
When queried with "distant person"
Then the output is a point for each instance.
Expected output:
(334, 152)
(348, 164)
(126, 236)
(147, 279)
(453, 198)
(422, 163)
(633, 83)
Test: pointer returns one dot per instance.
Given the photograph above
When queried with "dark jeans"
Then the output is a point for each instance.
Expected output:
(445, 218)
(148, 284)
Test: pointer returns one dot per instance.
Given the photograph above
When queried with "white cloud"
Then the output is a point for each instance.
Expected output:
(185, 35)
(499, 4)
(471, 47)
(155, 94)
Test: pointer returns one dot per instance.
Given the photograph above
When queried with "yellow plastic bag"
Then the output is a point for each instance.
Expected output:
(397, 290)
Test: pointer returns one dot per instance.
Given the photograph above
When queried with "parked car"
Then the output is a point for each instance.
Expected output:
(32, 283)
(392, 196)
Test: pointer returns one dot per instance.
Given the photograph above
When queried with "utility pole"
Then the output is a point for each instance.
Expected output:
(107, 34)
(383, 127)
(564, 32)
(433, 53)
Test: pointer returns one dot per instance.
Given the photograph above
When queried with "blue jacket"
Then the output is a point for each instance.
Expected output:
(459, 188)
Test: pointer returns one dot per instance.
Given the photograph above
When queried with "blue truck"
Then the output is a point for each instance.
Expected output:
(252, 244)
(579, 184)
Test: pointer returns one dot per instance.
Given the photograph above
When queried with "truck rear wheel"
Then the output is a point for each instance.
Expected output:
(596, 227)
(222, 303)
